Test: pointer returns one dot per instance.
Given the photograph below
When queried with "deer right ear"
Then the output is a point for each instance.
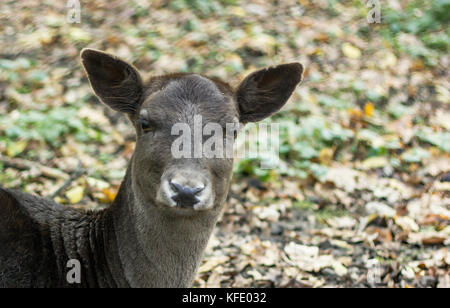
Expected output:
(264, 92)
(117, 83)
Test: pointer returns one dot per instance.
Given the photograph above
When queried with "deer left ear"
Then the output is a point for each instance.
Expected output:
(116, 82)
(264, 92)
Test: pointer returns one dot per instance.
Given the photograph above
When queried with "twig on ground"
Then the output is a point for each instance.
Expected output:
(23, 164)
(79, 171)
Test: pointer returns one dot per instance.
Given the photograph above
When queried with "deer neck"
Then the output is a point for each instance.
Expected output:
(156, 249)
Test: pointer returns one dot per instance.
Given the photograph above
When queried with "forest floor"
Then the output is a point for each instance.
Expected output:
(361, 197)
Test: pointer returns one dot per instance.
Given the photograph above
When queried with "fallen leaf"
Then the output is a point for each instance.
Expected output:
(212, 262)
(96, 183)
(15, 148)
(238, 11)
(267, 213)
(383, 234)
(417, 65)
(79, 35)
(307, 258)
(75, 194)
(344, 222)
(342, 177)
(326, 156)
(369, 109)
(110, 194)
(374, 162)
(380, 209)
(407, 223)
(433, 240)
(388, 60)
(351, 51)
(339, 268)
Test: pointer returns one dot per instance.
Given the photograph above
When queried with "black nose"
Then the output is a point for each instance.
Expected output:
(185, 196)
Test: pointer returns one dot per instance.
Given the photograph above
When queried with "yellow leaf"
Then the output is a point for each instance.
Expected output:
(15, 148)
(374, 162)
(326, 155)
(75, 195)
(388, 59)
(60, 200)
(351, 51)
(318, 51)
(79, 35)
(368, 109)
(238, 11)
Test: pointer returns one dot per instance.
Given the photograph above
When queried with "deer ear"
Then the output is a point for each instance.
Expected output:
(264, 92)
(117, 83)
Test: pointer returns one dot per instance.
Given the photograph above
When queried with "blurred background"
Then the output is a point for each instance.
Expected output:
(361, 197)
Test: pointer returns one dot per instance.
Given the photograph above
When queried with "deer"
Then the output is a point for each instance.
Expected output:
(156, 230)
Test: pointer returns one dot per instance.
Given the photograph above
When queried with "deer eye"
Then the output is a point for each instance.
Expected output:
(145, 125)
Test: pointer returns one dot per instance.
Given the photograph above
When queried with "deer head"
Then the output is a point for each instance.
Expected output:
(166, 104)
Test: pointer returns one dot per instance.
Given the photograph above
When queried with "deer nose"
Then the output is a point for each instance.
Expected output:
(185, 196)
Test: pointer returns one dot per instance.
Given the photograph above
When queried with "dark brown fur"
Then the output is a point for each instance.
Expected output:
(138, 241)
